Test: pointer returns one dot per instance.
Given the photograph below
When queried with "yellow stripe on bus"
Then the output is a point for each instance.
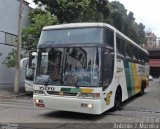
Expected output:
(86, 90)
(136, 79)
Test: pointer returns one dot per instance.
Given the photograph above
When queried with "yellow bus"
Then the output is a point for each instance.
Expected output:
(88, 68)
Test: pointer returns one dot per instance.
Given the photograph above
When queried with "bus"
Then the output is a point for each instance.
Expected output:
(88, 68)
(28, 66)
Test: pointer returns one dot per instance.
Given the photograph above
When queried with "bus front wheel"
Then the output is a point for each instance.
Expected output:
(118, 99)
(142, 87)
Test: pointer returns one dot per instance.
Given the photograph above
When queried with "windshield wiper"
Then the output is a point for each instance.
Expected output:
(52, 76)
(47, 81)
(74, 81)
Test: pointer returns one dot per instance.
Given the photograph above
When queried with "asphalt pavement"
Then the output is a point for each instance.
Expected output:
(135, 111)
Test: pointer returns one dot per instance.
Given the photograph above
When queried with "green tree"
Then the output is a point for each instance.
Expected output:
(68, 11)
(141, 33)
(118, 15)
(10, 60)
(38, 19)
(126, 22)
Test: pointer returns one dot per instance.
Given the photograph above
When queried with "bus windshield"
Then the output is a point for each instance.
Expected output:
(78, 66)
(71, 35)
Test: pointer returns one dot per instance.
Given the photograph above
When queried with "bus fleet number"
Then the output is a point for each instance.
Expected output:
(46, 88)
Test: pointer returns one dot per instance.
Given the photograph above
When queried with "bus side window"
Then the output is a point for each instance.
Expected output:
(120, 46)
(139, 56)
(108, 67)
(134, 53)
(108, 37)
(129, 51)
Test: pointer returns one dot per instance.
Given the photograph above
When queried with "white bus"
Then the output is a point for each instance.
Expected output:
(89, 68)
(28, 66)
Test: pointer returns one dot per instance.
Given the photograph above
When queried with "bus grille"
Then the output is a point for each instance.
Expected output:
(61, 94)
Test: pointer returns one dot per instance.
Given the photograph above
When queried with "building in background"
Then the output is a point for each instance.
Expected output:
(152, 44)
(151, 39)
(9, 10)
(158, 42)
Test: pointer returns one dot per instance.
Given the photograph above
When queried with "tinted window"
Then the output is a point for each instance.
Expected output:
(129, 50)
(108, 37)
(77, 66)
(134, 53)
(76, 35)
(120, 46)
(108, 67)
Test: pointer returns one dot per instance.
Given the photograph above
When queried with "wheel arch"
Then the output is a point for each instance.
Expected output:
(118, 98)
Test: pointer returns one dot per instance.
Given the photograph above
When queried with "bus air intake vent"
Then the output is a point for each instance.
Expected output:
(62, 93)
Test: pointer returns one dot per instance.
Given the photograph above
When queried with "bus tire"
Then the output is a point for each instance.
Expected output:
(118, 99)
(142, 87)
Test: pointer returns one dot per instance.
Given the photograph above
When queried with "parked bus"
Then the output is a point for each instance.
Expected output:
(88, 68)
(28, 66)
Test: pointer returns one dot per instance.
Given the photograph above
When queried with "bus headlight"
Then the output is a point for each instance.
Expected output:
(39, 103)
(90, 105)
(89, 95)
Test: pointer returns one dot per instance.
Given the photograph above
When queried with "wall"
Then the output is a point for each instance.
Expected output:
(9, 15)
(9, 26)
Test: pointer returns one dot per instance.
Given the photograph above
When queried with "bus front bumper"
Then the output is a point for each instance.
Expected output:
(89, 106)
(28, 86)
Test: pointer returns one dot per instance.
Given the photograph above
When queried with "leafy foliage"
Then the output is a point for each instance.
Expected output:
(126, 22)
(114, 13)
(76, 10)
(10, 60)
(38, 19)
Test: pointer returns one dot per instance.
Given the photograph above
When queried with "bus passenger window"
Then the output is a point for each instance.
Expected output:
(129, 51)
(120, 46)
(108, 37)
(134, 53)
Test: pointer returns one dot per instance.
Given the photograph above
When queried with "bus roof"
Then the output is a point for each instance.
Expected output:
(77, 25)
(89, 24)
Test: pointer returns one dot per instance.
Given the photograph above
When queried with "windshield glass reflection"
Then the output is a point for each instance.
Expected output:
(74, 35)
(69, 66)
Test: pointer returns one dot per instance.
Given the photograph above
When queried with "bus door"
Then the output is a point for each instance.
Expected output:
(107, 71)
